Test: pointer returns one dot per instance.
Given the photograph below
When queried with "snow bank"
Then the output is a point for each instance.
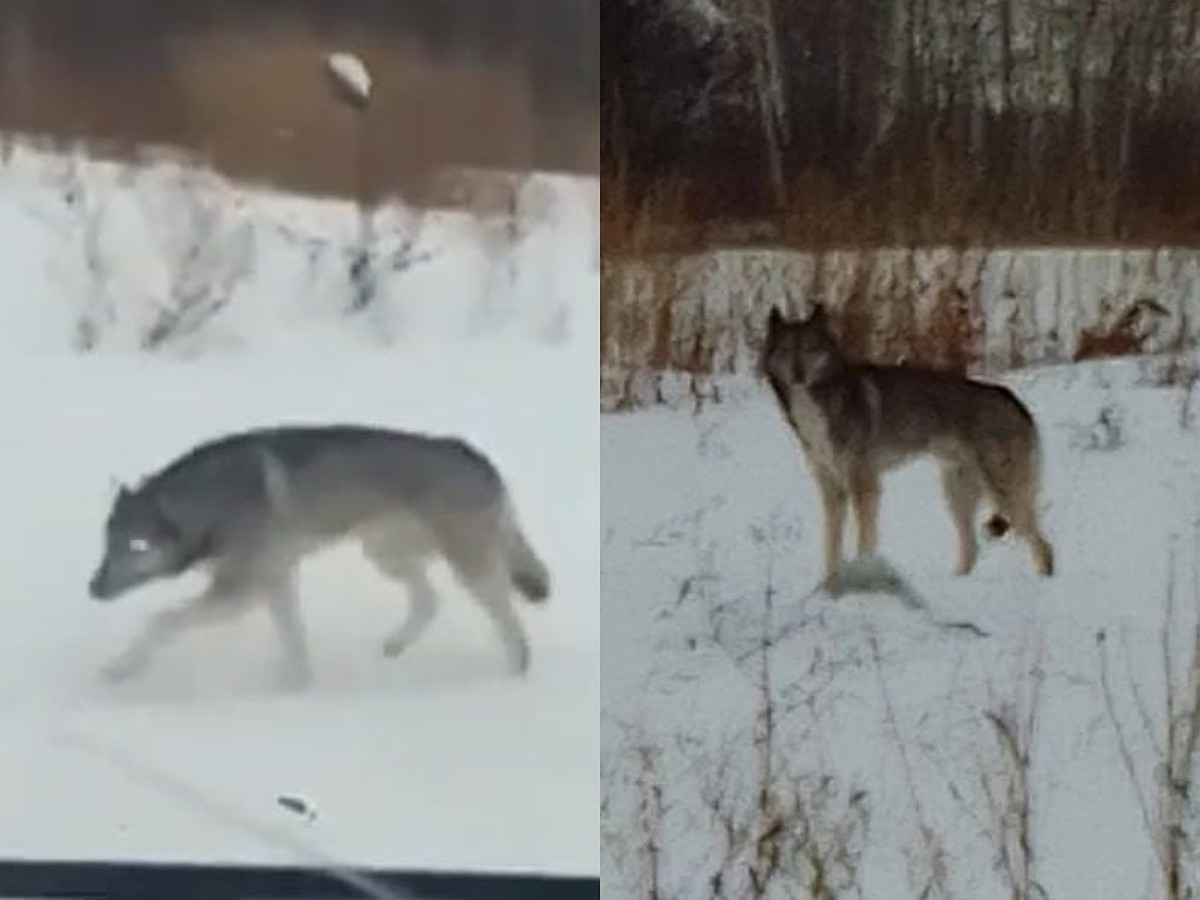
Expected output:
(106, 256)
(1008, 307)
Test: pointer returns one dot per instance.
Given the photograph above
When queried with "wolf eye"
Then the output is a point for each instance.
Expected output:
(139, 545)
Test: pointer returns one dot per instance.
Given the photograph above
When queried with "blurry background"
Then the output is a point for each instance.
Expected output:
(241, 84)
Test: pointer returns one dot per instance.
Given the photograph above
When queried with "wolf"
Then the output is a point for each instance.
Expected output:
(855, 422)
(248, 507)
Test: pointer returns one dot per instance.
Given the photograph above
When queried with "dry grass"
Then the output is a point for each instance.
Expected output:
(637, 307)
(915, 204)
(780, 829)
(1121, 334)
(886, 305)
(773, 834)
(660, 234)
(647, 330)
(1171, 730)
(915, 194)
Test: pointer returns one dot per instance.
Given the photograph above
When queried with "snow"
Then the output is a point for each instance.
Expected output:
(880, 722)
(351, 72)
(434, 760)
(103, 252)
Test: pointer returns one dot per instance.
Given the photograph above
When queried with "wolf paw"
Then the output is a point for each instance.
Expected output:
(120, 669)
(519, 662)
(832, 586)
(293, 680)
(393, 647)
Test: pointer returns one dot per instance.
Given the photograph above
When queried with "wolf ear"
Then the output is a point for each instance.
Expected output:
(818, 315)
(774, 318)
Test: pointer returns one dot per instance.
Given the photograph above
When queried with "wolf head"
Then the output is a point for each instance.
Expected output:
(799, 351)
(141, 544)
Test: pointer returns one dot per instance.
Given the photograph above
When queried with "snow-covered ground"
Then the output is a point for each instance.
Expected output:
(436, 759)
(887, 744)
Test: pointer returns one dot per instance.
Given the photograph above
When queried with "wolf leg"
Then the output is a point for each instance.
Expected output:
(1043, 553)
(1022, 515)
(284, 607)
(1012, 475)
(865, 495)
(833, 499)
(421, 608)
(963, 489)
(486, 576)
(164, 627)
(493, 592)
(395, 559)
(1025, 524)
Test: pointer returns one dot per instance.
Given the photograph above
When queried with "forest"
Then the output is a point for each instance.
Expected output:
(852, 123)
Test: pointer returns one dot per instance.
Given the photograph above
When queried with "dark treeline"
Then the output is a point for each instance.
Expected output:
(491, 83)
(868, 121)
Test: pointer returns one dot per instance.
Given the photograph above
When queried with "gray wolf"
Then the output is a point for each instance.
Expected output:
(248, 507)
(856, 422)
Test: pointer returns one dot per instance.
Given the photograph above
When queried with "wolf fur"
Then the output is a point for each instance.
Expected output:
(248, 507)
(855, 422)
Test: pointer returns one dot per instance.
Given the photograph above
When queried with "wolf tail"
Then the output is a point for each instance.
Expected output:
(528, 573)
(999, 524)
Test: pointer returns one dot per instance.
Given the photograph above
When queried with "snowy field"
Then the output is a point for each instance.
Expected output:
(437, 759)
(902, 758)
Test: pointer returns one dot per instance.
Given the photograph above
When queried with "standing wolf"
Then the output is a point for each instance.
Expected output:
(250, 506)
(856, 422)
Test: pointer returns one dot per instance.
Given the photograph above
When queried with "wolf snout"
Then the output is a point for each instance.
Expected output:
(98, 586)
